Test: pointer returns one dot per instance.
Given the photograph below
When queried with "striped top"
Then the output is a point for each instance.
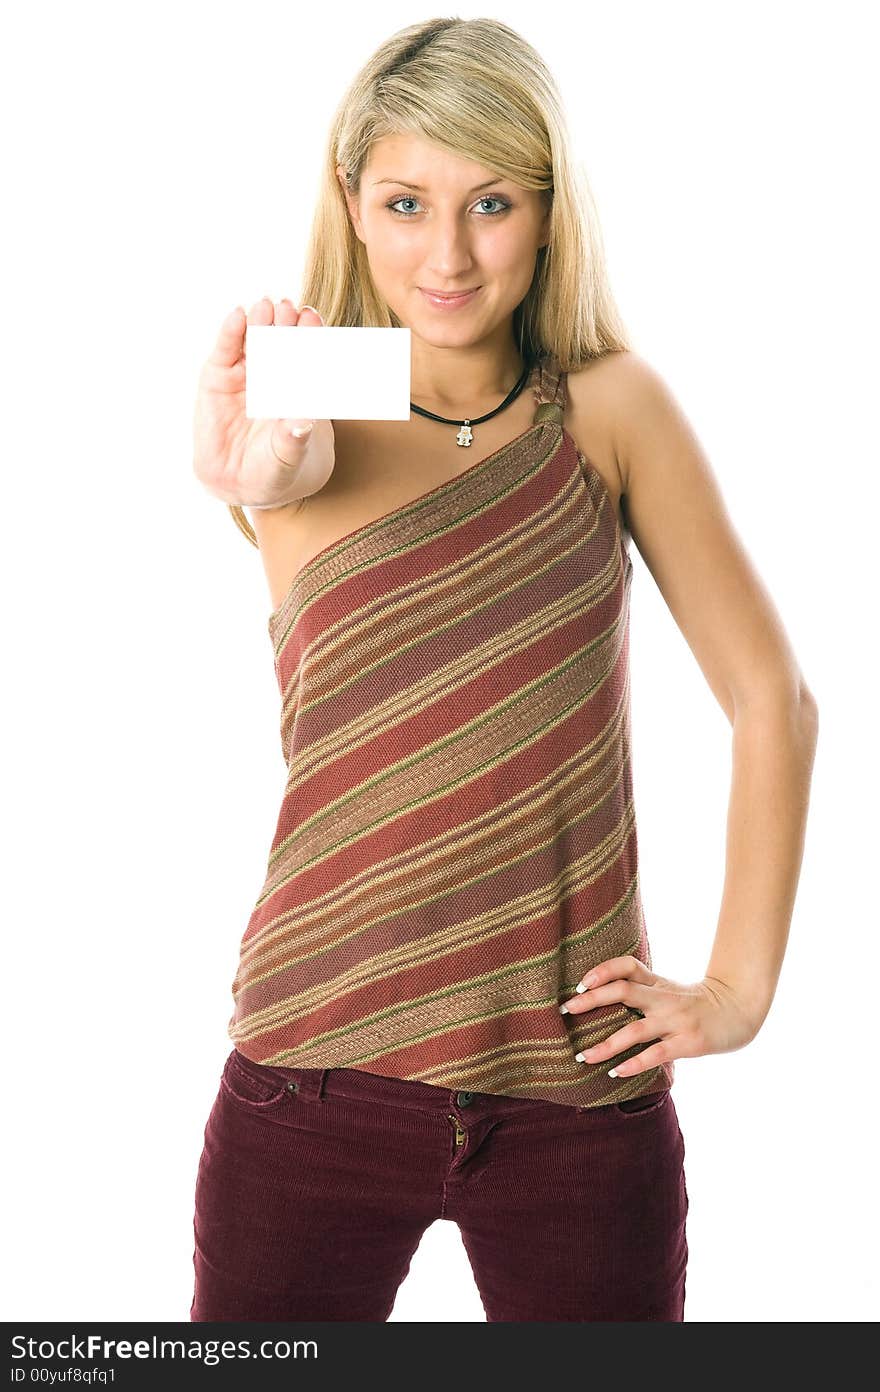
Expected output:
(456, 845)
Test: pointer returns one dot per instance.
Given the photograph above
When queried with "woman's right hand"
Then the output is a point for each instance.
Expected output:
(255, 463)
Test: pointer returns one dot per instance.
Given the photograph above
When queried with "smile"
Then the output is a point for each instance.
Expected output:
(441, 301)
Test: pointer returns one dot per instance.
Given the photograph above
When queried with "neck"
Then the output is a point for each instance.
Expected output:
(460, 381)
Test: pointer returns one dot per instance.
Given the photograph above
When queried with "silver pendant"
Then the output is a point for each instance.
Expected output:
(465, 435)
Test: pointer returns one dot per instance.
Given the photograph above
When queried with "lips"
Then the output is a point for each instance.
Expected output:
(443, 300)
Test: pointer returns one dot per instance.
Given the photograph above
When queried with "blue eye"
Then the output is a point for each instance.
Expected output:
(408, 198)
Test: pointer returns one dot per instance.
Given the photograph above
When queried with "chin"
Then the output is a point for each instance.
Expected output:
(430, 336)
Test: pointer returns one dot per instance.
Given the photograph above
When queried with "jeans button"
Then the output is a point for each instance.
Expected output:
(463, 1098)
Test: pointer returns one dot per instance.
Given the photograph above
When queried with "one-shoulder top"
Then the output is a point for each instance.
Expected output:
(456, 844)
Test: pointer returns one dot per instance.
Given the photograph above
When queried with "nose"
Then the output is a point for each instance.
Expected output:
(449, 253)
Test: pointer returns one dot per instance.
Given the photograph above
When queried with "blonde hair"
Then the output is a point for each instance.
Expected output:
(477, 88)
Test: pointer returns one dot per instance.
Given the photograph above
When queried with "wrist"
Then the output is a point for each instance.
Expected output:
(752, 1005)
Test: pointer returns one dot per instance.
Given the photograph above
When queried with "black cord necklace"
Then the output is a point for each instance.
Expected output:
(465, 434)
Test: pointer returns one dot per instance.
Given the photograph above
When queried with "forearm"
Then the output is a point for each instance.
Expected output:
(774, 743)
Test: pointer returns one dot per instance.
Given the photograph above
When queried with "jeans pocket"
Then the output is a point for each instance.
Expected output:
(252, 1084)
(640, 1106)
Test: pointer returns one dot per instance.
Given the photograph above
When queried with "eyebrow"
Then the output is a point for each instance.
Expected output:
(419, 189)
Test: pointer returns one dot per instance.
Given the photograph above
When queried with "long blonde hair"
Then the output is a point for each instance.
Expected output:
(477, 88)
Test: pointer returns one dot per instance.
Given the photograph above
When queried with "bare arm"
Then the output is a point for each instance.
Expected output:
(679, 522)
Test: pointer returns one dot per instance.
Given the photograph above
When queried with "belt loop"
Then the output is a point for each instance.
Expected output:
(319, 1090)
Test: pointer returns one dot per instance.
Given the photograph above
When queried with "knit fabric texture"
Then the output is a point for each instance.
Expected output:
(456, 845)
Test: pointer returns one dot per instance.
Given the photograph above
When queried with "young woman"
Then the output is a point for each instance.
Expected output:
(445, 1005)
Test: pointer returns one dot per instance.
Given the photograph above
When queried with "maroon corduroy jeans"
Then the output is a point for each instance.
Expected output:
(315, 1185)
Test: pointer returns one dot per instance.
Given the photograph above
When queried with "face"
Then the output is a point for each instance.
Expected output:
(432, 221)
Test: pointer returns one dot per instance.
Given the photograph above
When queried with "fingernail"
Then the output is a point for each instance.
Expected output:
(579, 1057)
(564, 1010)
(312, 308)
(299, 429)
(612, 1072)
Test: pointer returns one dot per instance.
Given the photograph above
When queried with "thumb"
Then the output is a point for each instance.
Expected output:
(299, 429)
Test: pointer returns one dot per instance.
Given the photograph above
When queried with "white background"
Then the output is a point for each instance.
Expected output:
(160, 167)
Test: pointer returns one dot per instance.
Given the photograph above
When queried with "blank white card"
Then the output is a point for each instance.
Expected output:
(326, 373)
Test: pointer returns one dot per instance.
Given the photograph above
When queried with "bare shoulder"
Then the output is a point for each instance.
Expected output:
(615, 391)
(595, 394)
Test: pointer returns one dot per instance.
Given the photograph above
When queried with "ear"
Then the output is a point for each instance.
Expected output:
(352, 202)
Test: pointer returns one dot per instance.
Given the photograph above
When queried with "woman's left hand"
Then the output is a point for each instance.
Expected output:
(705, 1018)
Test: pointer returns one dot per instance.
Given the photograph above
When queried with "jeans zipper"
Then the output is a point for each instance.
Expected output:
(460, 1133)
